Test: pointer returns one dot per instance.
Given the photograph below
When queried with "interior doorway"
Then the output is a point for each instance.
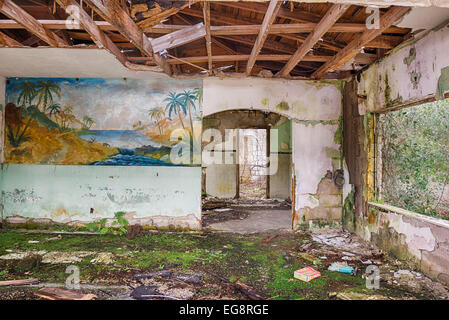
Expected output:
(252, 155)
(249, 188)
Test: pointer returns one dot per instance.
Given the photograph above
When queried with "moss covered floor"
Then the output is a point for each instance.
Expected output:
(266, 266)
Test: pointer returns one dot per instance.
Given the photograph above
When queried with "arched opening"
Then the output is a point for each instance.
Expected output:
(246, 170)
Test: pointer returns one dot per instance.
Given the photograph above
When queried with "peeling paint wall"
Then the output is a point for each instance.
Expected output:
(155, 196)
(315, 110)
(416, 71)
(420, 240)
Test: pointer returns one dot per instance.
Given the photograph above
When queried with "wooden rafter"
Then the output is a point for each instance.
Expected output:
(6, 41)
(112, 12)
(268, 20)
(331, 16)
(361, 58)
(13, 11)
(355, 46)
(206, 13)
(237, 29)
(98, 36)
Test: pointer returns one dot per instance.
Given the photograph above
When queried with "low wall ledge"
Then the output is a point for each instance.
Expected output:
(411, 214)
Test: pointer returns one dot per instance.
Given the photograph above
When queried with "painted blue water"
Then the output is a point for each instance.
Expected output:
(126, 139)
(130, 160)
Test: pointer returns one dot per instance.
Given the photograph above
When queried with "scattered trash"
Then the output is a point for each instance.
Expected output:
(18, 282)
(104, 258)
(269, 238)
(33, 241)
(63, 294)
(223, 210)
(145, 292)
(58, 237)
(309, 258)
(306, 274)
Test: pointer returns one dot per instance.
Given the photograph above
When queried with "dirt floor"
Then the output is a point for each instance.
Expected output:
(207, 265)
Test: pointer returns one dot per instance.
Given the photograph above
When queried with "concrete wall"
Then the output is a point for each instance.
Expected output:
(314, 109)
(417, 72)
(2, 112)
(155, 196)
(159, 196)
(414, 72)
(280, 182)
(418, 239)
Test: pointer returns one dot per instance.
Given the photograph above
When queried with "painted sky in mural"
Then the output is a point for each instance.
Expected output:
(100, 121)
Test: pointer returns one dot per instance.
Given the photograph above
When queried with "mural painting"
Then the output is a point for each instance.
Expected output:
(129, 122)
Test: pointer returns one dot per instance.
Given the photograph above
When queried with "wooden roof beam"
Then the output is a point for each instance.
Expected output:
(268, 20)
(13, 11)
(356, 45)
(98, 36)
(112, 12)
(206, 13)
(332, 15)
(6, 41)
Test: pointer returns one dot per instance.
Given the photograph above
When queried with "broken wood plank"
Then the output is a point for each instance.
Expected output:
(178, 38)
(354, 47)
(268, 20)
(63, 294)
(250, 292)
(112, 12)
(332, 15)
(18, 282)
(13, 11)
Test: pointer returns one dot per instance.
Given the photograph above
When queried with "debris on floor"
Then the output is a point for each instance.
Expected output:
(306, 274)
(63, 294)
(341, 267)
(21, 282)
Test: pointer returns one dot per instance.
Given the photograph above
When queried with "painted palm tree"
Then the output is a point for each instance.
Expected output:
(88, 122)
(45, 92)
(157, 114)
(198, 92)
(188, 98)
(27, 93)
(54, 110)
(175, 105)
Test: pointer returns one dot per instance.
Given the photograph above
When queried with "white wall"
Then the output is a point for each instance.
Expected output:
(390, 82)
(315, 109)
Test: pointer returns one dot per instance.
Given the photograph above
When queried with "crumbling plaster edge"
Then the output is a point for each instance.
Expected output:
(411, 214)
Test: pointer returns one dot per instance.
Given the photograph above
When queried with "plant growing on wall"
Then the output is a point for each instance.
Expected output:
(118, 225)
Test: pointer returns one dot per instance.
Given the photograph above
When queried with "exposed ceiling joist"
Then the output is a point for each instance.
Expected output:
(206, 13)
(13, 11)
(98, 36)
(6, 41)
(112, 12)
(356, 45)
(268, 20)
(332, 15)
